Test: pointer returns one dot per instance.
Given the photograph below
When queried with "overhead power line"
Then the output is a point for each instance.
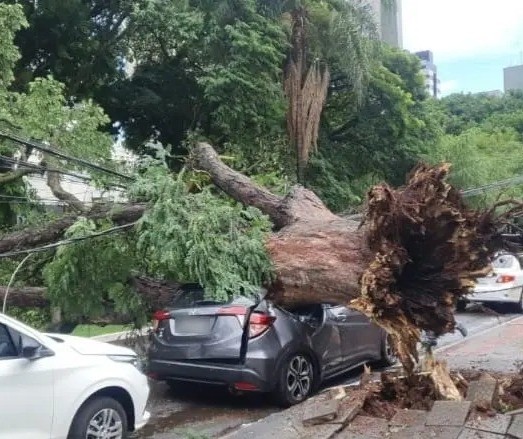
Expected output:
(67, 241)
(28, 165)
(53, 151)
(494, 185)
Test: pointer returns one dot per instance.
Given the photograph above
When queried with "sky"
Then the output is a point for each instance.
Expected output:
(472, 40)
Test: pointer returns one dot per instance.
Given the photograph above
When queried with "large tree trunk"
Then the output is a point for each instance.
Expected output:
(417, 252)
(25, 297)
(318, 261)
(156, 294)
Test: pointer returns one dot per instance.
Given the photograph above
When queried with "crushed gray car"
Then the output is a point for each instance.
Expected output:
(249, 344)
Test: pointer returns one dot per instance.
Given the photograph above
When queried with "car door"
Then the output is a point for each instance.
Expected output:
(326, 343)
(26, 389)
(358, 335)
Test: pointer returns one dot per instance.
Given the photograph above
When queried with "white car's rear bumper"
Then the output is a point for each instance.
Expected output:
(492, 294)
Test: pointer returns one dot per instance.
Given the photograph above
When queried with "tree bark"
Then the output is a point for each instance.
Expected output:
(54, 183)
(156, 294)
(25, 297)
(317, 256)
(53, 231)
(298, 204)
(318, 261)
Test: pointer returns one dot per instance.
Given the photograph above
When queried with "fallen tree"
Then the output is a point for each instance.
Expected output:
(155, 293)
(417, 251)
(25, 297)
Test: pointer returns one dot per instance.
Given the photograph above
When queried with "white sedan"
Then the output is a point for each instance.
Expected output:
(504, 284)
(58, 386)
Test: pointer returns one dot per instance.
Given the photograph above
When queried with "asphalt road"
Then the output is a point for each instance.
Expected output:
(197, 412)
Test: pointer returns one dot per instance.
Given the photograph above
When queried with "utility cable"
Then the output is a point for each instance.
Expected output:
(53, 151)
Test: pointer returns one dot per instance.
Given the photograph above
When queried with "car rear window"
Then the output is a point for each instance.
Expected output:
(191, 297)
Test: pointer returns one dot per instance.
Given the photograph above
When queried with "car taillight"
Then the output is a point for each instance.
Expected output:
(244, 386)
(158, 316)
(237, 311)
(505, 278)
(259, 323)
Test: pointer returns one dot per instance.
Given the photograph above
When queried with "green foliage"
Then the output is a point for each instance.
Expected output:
(94, 330)
(343, 34)
(79, 42)
(37, 318)
(484, 142)
(206, 65)
(200, 237)
(479, 157)
(43, 113)
(380, 139)
(11, 20)
(90, 277)
(466, 111)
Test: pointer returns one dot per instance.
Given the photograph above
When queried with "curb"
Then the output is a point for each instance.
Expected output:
(119, 336)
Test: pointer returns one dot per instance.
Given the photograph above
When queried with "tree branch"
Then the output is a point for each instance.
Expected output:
(11, 176)
(237, 185)
(53, 181)
(53, 231)
(298, 204)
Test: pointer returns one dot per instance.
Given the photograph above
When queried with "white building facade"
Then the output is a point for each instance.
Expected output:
(389, 20)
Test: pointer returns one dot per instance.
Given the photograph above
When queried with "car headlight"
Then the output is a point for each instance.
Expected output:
(130, 359)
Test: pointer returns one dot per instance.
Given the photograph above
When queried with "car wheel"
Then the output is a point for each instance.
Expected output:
(519, 305)
(295, 382)
(461, 306)
(176, 386)
(99, 418)
(388, 355)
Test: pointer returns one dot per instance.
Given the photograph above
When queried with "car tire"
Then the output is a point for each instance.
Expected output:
(295, 380)
(176, 386)
(461, 306)
(99, 414)
(388, 356)
(519, 305)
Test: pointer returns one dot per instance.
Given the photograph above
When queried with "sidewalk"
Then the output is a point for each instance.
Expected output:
(497, 349)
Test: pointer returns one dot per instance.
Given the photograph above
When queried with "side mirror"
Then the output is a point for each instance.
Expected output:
(35, 351)
(31, 352)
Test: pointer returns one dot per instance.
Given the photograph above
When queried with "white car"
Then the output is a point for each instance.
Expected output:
(504, 284)
(58, 386)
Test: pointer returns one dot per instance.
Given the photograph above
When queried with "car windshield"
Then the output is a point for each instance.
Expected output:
(190, 297)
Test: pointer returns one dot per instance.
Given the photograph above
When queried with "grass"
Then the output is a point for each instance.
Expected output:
(94, 330)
